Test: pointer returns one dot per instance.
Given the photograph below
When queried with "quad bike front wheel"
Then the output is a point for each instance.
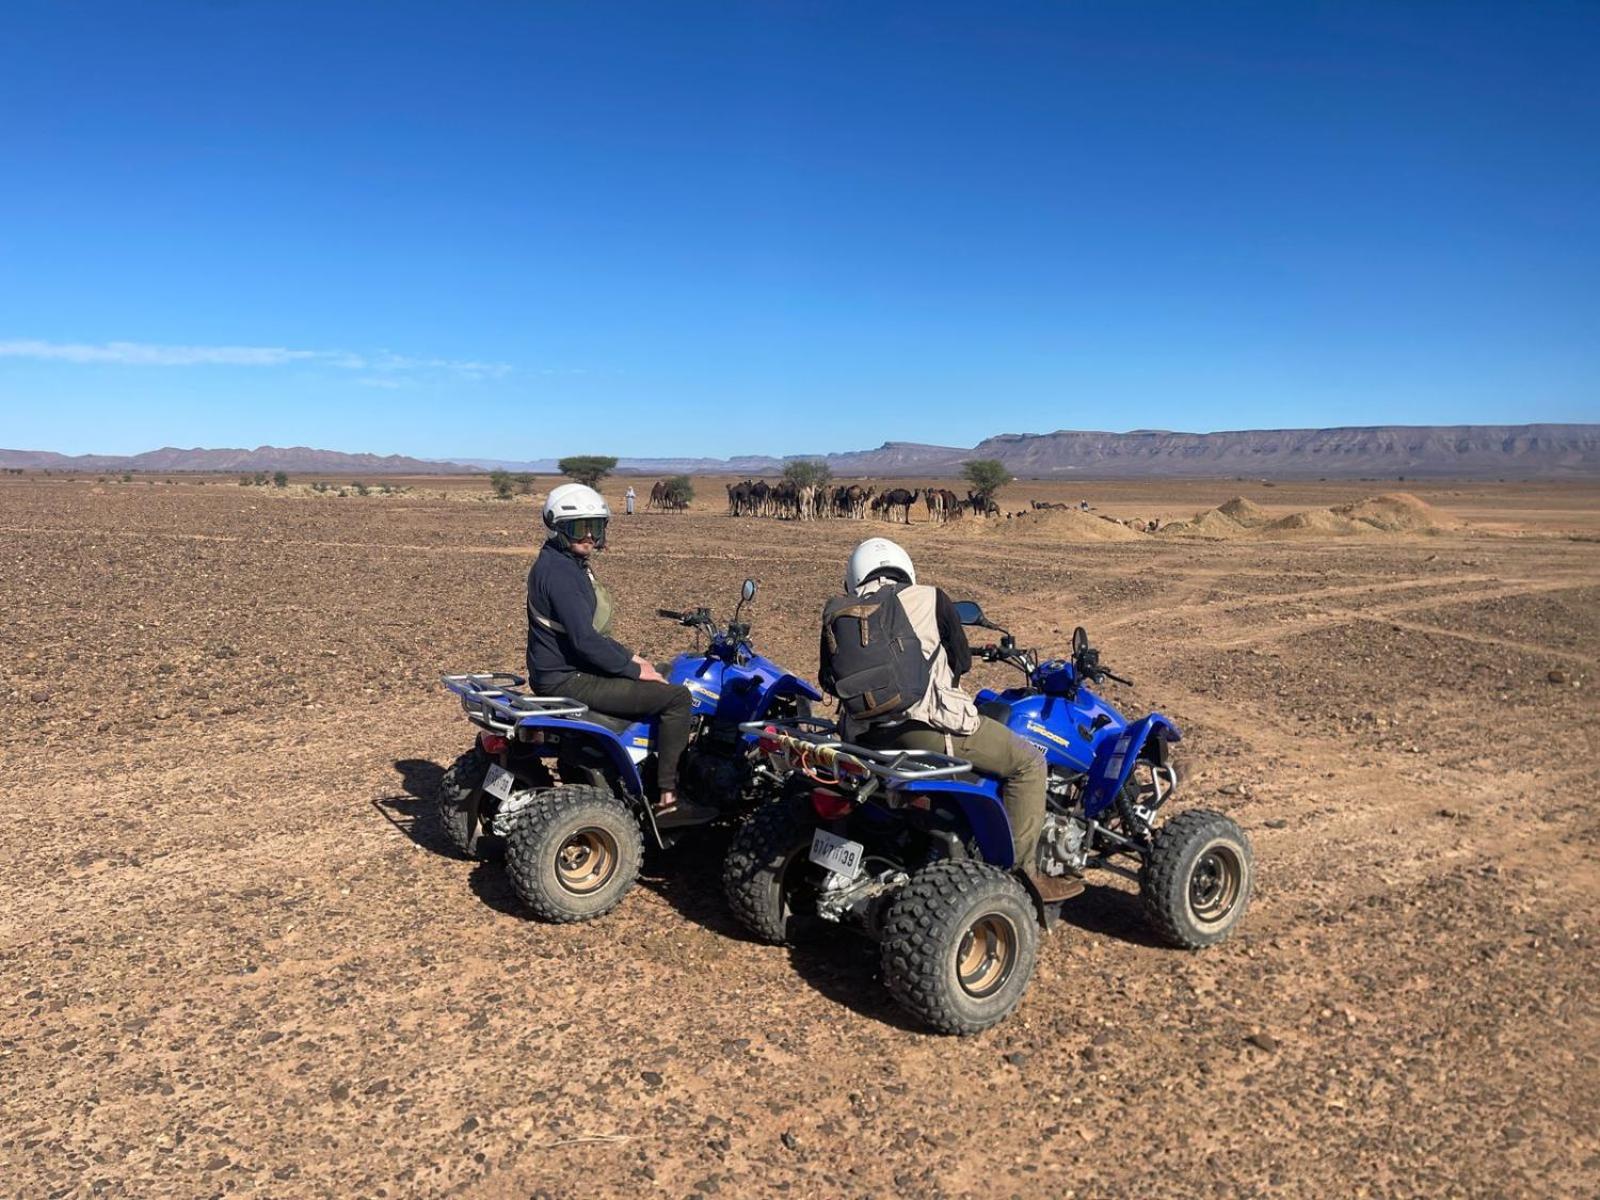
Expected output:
(573, 853)
(959, 945)
(764, 873)
(460, 780)
(1197, 878)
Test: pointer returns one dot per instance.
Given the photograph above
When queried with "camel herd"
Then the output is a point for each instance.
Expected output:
(787, 500)
(790, 501)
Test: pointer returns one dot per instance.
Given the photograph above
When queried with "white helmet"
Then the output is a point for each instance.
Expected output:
(576, 509)
(873, 556)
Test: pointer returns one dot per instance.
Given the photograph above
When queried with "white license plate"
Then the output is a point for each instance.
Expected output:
(839, 855)
(499, 782)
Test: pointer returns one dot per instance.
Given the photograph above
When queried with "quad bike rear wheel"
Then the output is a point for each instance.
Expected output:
(764, 872)
(959, 945)
(573, 853)
(460, 780)
(1197, 878)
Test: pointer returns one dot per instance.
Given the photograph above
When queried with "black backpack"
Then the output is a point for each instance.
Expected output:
(871, 656)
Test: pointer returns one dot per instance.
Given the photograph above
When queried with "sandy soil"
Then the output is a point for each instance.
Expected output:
(236, 958)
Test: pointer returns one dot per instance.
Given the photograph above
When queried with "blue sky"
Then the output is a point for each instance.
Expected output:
(523, 230)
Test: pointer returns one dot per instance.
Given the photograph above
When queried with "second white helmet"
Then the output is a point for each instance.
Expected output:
(576, 509)
(875, 555)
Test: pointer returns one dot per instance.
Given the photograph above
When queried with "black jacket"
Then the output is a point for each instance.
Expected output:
(560, 590)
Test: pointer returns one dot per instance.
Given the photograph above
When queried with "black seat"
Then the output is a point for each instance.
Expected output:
(606, 720)
(995, 710)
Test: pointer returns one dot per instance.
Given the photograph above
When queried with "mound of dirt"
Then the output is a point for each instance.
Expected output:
(1070, 525)
(1316, 522)
(1211, 523)
(1246, 512)
(1393, 512)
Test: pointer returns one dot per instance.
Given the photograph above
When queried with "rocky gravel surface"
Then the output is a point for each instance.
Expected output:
(236, 957)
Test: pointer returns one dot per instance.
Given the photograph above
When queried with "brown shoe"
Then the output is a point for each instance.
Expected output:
(1054, 888)
(684, 812)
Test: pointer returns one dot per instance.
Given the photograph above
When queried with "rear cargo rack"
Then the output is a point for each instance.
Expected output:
(495, 700)
(811, 743)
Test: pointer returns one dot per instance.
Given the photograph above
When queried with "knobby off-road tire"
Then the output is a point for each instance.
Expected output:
(1196, 881)
(573, 853)
(959, 945)
(766, 862)
(460, 780)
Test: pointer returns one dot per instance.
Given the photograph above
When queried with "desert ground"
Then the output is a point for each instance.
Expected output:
(237, 958)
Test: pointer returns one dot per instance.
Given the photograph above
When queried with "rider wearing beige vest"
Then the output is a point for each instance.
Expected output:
(946, 720)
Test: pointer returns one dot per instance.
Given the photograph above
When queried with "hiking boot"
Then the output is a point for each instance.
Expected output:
(680, 812)
(1054, 888)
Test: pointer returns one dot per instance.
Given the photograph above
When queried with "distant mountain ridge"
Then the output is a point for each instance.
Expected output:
(1460, 451)
(263, 458)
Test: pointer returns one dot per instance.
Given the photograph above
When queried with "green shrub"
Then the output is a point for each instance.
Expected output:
(680, 491)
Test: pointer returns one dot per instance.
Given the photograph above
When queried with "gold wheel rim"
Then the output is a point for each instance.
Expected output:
(986, 956)
(1215, 883)
(586, 861)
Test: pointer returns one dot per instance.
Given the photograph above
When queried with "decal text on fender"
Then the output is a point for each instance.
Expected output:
(1035, 727)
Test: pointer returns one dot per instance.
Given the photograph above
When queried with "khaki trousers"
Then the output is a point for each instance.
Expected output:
(994, 750)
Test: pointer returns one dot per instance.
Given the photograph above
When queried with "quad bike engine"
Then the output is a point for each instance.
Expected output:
(715, 778)
(1061, 845)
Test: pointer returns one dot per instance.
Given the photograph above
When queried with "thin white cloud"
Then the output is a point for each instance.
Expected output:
(144, 354)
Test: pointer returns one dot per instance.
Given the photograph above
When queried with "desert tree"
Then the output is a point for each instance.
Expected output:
(806, 472)
(502, 484)
(587, 469)
(986, 475)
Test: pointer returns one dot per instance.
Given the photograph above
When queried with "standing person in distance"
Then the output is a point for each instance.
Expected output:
(943, 718)
(570, 654)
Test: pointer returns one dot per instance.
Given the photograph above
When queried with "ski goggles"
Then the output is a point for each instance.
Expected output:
(584, 529)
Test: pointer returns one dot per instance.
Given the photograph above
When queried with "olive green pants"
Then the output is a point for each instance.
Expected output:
(994, 750)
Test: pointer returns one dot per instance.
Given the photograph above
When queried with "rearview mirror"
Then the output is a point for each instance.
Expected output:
(969, 612)
(748, 592)
(1080, 640)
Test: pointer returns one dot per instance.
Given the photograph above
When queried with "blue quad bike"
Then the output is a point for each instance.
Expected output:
(914, 849)
(564, 792)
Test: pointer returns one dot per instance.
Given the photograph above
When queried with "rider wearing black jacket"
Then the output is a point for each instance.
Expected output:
(570, 654)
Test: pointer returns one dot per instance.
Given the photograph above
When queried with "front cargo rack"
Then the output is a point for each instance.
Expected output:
(496, 700)
(812, 745)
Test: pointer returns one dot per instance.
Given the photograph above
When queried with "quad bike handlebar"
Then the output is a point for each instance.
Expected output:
(1085, 659)
(693, 618)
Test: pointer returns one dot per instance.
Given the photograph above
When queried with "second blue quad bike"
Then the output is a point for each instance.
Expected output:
(914, 849)
(564, 792)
